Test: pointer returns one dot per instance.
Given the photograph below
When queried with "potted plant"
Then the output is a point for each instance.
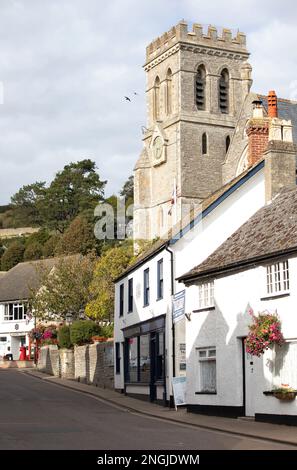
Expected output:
(264, 332)
(285, 392)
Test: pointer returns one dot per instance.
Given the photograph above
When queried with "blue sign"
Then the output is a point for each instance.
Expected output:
(178, 306)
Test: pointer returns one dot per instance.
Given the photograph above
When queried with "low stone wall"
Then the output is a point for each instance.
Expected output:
(91, 364)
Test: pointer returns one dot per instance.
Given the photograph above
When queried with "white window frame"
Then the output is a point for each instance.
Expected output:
(206, 295)
(278, 278)
(208, 354)
(11, 313)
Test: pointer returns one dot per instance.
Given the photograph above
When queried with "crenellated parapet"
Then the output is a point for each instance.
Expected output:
(181, 34)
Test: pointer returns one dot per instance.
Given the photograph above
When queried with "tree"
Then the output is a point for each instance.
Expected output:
(65, 288)
(26, 204)
(49, 248)
(128, 189)
(78, 238)
(110, 265)
(33, 251)
(13, 255)
(77, 189)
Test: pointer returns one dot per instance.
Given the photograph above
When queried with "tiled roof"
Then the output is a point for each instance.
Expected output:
(269, 232)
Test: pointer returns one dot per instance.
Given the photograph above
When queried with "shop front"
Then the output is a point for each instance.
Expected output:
(144, 353)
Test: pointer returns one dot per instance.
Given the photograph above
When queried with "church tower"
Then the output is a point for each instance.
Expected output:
(196, 84)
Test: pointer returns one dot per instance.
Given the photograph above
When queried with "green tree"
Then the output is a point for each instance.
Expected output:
(65, 287)
(50, 246)
(128, 190)
(77, 189)
(110, 265)
(78, 238)
(33, 251)
(26, 204)
(13, 255)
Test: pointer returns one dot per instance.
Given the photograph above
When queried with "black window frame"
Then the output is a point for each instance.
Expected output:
(130, 295)
(121, 300)
(160, 279)
(146, 287)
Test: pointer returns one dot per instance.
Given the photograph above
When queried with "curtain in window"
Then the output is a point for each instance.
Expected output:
(285, 366)
(208, 376)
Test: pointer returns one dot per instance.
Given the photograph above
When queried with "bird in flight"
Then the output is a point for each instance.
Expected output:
(127, 98)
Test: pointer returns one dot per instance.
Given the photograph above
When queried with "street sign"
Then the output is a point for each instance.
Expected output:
(178, 306)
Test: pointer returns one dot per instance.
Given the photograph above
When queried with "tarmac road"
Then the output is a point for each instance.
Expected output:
(35, 414)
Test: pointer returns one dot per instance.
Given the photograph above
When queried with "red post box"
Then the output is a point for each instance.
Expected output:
(22, 353)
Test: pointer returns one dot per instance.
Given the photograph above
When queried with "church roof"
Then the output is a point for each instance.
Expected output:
(269, 233)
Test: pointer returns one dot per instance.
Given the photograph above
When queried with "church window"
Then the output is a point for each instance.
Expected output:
(224, 92)
(157, 98)
(169, 92)
(200, 88)
(204, 144)
(227, 143)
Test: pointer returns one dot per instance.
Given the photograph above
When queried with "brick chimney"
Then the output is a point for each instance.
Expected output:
(272, 104)
(257, 131)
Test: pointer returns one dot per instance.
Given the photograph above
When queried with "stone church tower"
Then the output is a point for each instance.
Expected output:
(196, 86)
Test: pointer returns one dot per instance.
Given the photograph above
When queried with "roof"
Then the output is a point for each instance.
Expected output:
(270, 232)
(287, 109)
(16, 284)
(180, 229)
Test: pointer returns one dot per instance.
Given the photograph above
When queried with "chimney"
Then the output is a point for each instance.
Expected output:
(272, 104)
(257, 131)
(280, 159)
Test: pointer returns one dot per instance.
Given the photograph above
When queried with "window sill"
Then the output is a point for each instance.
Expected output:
(204, 309)
(129, 311)
(159, 298)
(279, 295)
(205, 393)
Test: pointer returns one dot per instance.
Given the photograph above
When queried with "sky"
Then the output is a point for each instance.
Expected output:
(66, 65)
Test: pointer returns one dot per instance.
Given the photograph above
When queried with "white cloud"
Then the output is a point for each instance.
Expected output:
(67, 64)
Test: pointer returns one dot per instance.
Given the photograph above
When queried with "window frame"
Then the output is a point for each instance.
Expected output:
(224, 89)
(160, 279)
(277, 278)
(117, 358)
(130, 295)
(10, 310)
(121, 300)
(202, 359)
(206, 295)
(146, 287)
(200, 86)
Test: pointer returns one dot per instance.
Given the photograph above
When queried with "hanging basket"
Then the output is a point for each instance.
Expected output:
(285, 396)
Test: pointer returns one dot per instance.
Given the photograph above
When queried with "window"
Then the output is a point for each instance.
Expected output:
(224, 92)
(227, 143)
(118, 357)
(277, 277)
(169, 92)
(3, 339)
(132, 360)
(121, 300)
(15, 312)
(160, 279)
(206, 295)
(146, 287)
(145, 361)
(204, 144)
(157, 99)
(200, 88)
(160, 356)
(285, 370)
(130, 295)
(207, 370)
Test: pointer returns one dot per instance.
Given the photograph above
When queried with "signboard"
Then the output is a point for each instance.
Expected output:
(178, 306)
(179, 391)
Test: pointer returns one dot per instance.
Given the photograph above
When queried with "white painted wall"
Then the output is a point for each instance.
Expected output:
(8, 329)
(225, 326)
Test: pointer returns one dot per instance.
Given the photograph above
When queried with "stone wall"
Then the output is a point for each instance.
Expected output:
(92, 364)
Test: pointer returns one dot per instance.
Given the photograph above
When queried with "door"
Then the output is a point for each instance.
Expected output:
(249, 363)
(153, 361)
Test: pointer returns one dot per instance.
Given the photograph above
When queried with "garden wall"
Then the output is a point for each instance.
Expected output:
(91, 364)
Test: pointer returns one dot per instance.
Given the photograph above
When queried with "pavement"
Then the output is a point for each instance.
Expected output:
(279, 434)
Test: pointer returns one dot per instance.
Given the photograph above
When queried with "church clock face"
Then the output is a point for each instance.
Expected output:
(158, 148)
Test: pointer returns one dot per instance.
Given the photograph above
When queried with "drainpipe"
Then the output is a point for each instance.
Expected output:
(172, 293)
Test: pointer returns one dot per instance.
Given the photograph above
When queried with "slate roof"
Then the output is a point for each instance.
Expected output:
(16, 284)
(270, 232)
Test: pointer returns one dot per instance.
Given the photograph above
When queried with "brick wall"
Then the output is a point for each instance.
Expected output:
(91, 364)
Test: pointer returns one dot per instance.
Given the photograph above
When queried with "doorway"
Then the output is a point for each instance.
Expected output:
(248, 366)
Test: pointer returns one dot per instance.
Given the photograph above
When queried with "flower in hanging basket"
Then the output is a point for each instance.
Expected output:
(264, 332)
(285, 392)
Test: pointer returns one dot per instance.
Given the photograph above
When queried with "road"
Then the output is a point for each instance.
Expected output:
(40, 415)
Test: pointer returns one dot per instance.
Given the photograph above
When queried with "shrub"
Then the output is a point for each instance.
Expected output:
(81, 331)
(12, 256)
(64, 337)
(106, 331)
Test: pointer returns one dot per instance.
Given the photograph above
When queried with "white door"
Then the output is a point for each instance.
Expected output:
(249, 381)
(3, 345)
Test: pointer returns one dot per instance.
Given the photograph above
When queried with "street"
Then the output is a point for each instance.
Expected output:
(39, 415)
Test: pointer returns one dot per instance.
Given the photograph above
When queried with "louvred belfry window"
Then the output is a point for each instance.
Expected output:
(224, 92)
(200, 88)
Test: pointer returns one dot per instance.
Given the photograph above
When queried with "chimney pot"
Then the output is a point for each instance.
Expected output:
(272, 104)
